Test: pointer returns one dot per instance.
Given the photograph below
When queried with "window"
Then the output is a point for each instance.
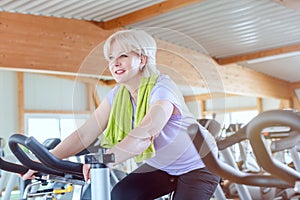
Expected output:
(241, 151)
(242, 117)
(44, 126)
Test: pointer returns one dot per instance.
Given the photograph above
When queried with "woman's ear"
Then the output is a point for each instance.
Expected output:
(143, 61)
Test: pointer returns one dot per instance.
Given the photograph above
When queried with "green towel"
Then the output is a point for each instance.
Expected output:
(120, 119)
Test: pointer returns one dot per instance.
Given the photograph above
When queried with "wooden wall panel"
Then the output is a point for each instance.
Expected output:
(245, 81)
(47, 43)
(202, 71)
(67, 45)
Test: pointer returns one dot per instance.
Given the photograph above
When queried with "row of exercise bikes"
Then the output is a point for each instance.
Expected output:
(266, 176)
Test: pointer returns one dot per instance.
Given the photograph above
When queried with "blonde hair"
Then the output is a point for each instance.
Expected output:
(138, 41)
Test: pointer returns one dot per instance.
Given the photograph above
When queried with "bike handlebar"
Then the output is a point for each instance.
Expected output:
(255, 127)
(12, 167)
(14, 144)
(50, 160)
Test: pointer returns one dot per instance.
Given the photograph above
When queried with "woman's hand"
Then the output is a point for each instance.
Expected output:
(87, 168)
(29, 174)
(86, 171)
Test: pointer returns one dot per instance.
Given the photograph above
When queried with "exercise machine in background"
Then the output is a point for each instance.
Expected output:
(262, 151)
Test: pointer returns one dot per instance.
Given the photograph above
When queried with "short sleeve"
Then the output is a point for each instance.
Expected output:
(165, 89)
(111, 94)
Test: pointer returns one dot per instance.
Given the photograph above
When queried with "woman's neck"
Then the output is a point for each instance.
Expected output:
(133, 86)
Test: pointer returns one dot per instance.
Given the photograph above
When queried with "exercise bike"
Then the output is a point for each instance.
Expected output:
(52, 170)
(69, 171)
(277, 118)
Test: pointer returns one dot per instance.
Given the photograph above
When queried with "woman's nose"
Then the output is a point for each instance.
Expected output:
(117, 62)
(114, 63)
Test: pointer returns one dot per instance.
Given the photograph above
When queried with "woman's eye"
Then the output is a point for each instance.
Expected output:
(110, 58)
(123, 56)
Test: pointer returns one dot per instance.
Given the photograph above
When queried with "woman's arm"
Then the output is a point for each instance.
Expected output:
(138, 140)
(86, 134)
(81, 138)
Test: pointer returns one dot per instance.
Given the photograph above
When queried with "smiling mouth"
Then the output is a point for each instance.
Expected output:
(120, 71)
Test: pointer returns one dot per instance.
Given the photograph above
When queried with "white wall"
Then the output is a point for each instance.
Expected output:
(194, 108)
(50, 93)
(270, 104)
(8, 104)
(40, 93)
(102, 91)
(230, 103)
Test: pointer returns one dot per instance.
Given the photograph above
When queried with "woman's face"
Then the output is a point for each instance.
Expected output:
(124, 66)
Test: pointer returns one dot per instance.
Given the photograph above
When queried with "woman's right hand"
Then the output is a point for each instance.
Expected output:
(86, 171)
(29, 174)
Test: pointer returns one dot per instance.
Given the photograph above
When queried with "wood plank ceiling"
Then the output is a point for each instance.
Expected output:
(214, 40)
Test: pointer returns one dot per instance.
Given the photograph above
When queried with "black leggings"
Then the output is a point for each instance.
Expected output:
(148, 183)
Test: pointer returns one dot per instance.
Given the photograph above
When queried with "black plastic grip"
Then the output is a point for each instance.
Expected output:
(12, 167)
(14, 144)
(50, 160)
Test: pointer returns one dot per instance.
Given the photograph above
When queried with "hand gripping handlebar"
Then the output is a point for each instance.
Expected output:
(99, 171)
(14, 143)
(12, 167)
(50, 160)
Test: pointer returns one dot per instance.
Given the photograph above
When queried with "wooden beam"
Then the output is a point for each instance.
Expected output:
(295, 101)
(295, 85)
(89, 96)
(230, 110)
(204, 97)
(259, 104)
(90, 80)
(96, 98)
(203, 108)
(21, 102)
(58, 111)
(258, 54)
(146, 13)
(286, 104)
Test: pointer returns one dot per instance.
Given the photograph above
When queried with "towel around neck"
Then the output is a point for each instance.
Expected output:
(120, 119)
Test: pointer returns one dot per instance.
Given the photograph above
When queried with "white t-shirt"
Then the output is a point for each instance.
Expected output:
(174, 149)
